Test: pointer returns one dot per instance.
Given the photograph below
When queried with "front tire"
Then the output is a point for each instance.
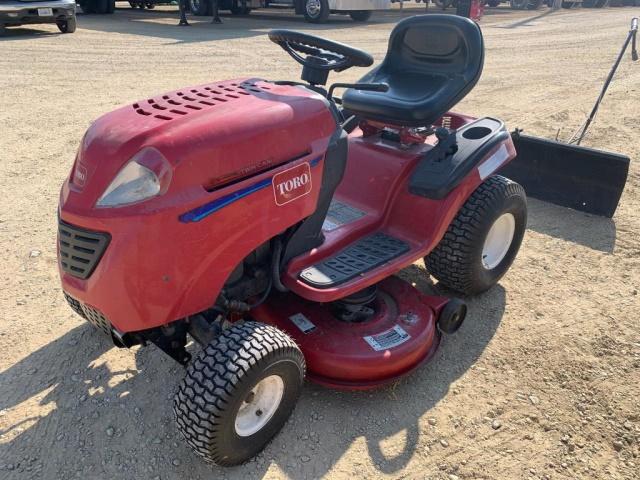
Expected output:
(239, 392)
(316, 11)
(483, 239)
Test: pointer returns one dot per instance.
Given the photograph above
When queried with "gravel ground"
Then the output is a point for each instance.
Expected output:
(542, 381)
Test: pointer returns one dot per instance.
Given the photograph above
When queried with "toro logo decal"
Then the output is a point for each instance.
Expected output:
(292, 183)
(80, 175)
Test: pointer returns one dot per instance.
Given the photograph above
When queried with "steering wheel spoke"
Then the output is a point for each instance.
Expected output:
(318, 53)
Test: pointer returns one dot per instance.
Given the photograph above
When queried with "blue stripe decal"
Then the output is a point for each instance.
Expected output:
(207, 209)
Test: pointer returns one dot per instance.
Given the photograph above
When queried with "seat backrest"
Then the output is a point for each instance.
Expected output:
(437, 44)
(432, 62)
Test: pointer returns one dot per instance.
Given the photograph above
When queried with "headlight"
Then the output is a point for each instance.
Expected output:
(143, 177)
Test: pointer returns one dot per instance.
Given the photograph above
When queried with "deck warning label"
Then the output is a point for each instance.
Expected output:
(393, 337)
(303, 323)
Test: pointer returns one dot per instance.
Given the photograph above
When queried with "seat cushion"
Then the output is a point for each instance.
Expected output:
(432, 62)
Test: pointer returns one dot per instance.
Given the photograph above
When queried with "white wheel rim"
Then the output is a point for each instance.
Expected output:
(498, 241)
(313, 7)
(259, 406)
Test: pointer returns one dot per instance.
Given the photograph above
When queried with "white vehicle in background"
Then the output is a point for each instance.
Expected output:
(314, 11)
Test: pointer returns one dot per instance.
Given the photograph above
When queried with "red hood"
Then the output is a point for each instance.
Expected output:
(220, 132)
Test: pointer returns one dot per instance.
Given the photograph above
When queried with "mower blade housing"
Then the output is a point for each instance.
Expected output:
(571, 176)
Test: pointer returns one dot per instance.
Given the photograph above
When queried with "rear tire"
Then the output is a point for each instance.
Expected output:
(483, 239)
(493, 3)
(239, 392)
(316, 11)
(360, 15)
(67, 26)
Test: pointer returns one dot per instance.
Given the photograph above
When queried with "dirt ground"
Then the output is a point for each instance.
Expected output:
(542, 381)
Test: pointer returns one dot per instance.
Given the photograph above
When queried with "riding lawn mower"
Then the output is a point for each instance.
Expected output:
(266, 219)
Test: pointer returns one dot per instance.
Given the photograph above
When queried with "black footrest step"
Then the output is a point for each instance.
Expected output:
(357, 258)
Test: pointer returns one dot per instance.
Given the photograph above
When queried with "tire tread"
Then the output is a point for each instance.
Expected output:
(450, 261)
(212, 378)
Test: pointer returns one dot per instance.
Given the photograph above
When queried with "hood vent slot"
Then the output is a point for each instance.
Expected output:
(180, 103)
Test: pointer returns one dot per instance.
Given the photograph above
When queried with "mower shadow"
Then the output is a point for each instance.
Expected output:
(597, 233)
(86, 418)
(98, 412)
(388, 425)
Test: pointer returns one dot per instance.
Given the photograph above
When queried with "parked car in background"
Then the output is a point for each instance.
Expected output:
(27, 12)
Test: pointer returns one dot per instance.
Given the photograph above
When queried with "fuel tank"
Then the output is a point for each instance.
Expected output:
(217, 133)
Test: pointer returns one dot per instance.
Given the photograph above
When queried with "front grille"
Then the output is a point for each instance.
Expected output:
(92, 315)
(80, 250)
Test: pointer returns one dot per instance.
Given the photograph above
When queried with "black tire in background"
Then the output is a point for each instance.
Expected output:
(493, 3)
(101, 6)
(111, 6)
(87, 6)
(200, 8)
(525, 4)
(67, 26)
(457, 261)
(316, 11)
(360, 15)
(94, 6)
(238, 9)
(224, 380)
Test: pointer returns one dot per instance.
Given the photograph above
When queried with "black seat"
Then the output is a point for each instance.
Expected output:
(432, 62)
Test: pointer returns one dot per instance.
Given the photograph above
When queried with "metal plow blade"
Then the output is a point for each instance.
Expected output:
(568, 175)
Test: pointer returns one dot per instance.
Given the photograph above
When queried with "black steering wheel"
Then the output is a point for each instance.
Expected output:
(319, 53)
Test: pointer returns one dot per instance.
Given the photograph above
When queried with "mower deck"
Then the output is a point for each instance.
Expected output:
(399, 337)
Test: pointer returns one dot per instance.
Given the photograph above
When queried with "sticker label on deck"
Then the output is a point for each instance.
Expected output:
(340, 214)
(303, 323)
(391, 338)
